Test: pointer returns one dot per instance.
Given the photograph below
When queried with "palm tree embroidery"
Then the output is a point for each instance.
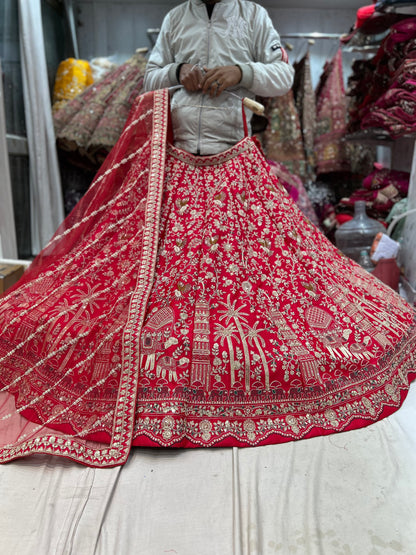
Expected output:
(237, 314)
(254, 336)
(227, 333)
(88, 300)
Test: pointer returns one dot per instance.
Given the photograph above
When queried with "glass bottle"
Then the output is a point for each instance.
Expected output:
(358, 234)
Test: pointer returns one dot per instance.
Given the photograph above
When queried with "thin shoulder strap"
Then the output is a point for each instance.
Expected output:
(244, 118)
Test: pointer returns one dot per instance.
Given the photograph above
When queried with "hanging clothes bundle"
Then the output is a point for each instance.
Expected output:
(88, 126)
(331, 112)
(282, 138)
(306, 106)
(393, 107)
(360, 84)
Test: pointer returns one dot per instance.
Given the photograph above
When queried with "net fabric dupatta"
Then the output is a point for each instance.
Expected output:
(69, 329)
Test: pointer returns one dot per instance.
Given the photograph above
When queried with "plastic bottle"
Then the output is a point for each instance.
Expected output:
(364, 261)
(358, 234)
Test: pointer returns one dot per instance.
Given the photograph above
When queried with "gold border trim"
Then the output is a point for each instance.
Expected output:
(211, 160)
(117, 452)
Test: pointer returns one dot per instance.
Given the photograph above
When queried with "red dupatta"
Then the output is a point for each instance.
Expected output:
(68, 379)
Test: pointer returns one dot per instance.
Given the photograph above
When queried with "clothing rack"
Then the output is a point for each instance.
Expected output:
(330, 36)
(152, 33)
(314, 35)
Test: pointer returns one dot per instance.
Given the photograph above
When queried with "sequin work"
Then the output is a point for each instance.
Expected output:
(199, 308)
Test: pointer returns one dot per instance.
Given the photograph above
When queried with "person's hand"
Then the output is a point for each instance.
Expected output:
(220, 78)
(191, 77)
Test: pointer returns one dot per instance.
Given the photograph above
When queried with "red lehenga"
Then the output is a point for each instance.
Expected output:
(187, 302)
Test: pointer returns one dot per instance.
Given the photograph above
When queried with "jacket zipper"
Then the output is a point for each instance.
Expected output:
(198, 145)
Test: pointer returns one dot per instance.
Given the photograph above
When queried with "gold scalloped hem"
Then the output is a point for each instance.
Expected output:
(253, 431)
(243, 426)
(180, 423)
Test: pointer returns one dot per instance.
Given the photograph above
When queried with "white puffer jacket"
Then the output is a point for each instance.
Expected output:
(238, 33)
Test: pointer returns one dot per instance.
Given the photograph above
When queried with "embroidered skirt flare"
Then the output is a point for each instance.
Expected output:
(187, 302)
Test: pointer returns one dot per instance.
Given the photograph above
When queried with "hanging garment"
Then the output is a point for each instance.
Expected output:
(331, 108)
(282, 139)
(305, 104)
(187, 302)
(359, 82)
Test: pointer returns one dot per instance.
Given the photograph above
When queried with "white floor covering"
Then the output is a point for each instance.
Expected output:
(350, 493)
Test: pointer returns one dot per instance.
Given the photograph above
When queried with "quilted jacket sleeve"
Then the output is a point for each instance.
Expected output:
(272, 75)
(161, 68)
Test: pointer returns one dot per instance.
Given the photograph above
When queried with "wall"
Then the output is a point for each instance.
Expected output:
(117, 29)
(15, 120)
(109, 29)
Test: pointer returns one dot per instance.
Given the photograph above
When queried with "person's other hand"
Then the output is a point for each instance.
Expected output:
(220, 78)
(191, 77)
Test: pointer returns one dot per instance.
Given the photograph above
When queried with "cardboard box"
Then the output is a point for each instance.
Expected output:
(9, 274)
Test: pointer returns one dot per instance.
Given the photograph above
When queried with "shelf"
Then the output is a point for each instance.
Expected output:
(17, 145)
(375, 136)
(366, 49)
(404, 8)
(373, 30)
